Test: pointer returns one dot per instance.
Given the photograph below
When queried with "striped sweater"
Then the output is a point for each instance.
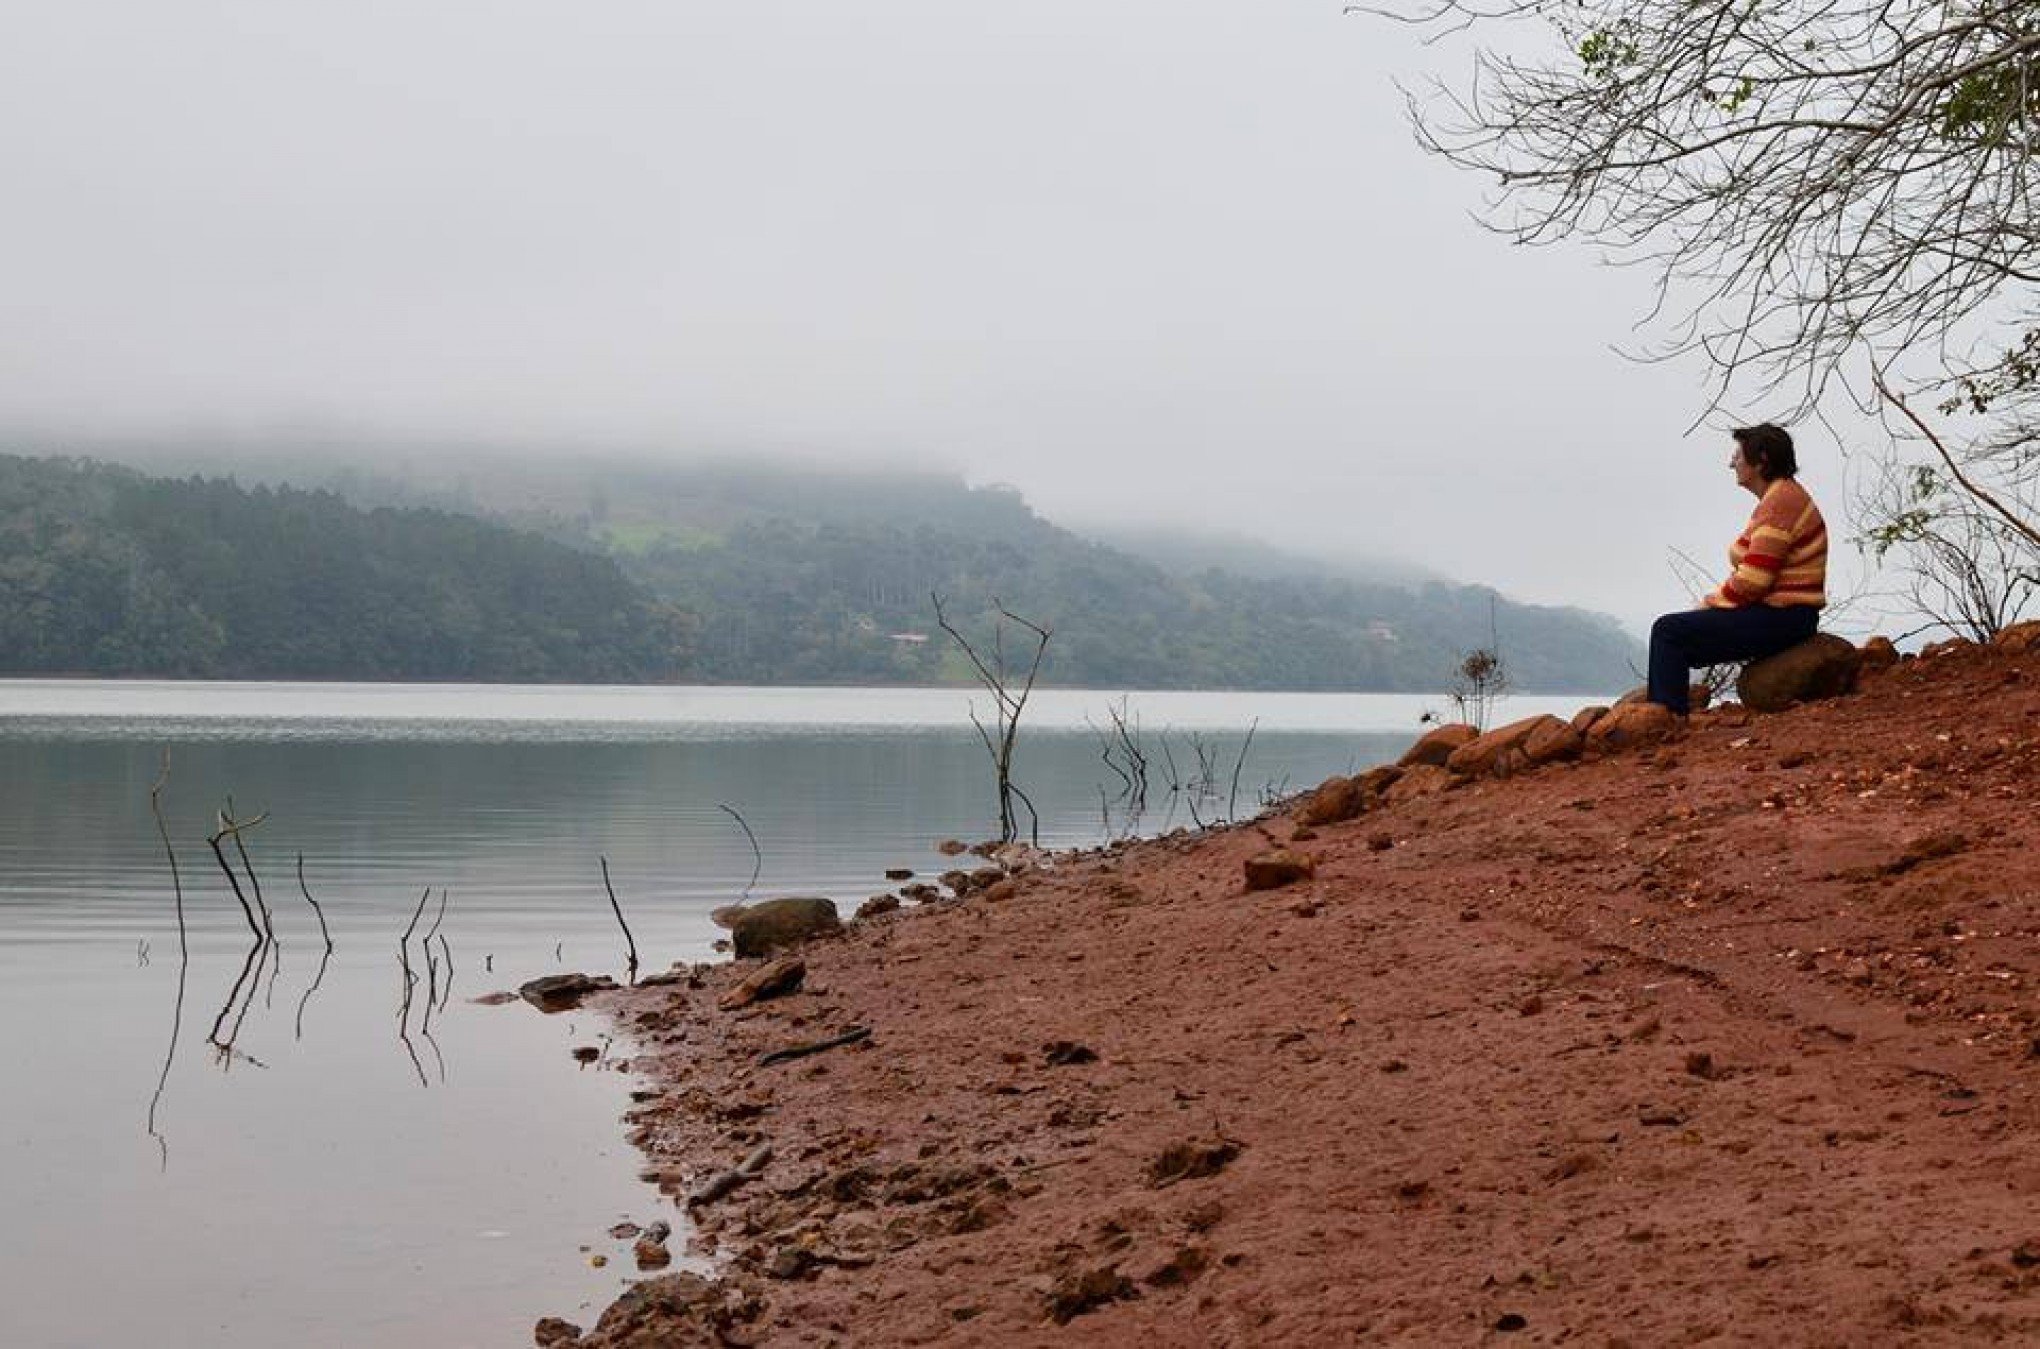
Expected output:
(1781, 557)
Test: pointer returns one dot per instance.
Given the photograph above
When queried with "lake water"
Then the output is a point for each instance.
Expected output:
(197, 1152)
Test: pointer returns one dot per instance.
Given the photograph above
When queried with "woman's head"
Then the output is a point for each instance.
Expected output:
(1768, 450)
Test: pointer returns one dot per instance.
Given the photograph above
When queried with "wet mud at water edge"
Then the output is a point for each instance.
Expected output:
(266, 1141)
(1730, 1040)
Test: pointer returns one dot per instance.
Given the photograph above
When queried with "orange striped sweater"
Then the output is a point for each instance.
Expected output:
(1781, 557)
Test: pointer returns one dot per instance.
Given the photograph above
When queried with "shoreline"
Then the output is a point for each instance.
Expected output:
(1733, 1036)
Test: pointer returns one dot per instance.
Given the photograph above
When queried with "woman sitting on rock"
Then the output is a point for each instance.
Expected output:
(1777, 580)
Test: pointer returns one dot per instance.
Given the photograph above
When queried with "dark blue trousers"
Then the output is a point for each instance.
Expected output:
(1681, 643)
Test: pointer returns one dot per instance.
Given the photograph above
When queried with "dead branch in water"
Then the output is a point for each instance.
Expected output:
(227, 826)
(249, 979)
(325, 959)
(1232, 797)
(183, 958)
(446, 989)
(323, 930)
(997, 680)
(618, 910)
(432, 994)
(757, 853)
(254, 882)
(410, 981)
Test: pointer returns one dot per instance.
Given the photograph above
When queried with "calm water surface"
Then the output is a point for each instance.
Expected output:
(326, 1180)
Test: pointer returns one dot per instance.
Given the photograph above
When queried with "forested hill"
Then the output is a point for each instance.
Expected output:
(804, 575)
(707, 574)
(105, 571)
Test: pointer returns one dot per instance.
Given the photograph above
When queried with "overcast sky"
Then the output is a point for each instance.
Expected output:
(1162, 262)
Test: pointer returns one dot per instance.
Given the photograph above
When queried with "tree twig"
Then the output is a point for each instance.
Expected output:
(757, 853)
(617, 909)
(323, 930)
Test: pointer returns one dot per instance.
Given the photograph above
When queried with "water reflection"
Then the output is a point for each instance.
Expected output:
(454, 1214)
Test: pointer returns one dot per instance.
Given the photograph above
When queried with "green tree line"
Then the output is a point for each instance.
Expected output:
(105, 570)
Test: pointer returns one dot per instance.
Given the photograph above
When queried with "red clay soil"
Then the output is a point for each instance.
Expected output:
(1731, 1041)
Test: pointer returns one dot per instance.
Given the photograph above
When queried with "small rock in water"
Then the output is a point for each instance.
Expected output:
(552, 1331)
(659, 1230)
(778, 923)
(952, 847)
(586, 1053)
(651, 1254)
(899, 873)
(563, 992)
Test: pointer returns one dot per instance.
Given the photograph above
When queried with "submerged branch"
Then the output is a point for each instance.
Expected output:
(617, 909)
(757, 853)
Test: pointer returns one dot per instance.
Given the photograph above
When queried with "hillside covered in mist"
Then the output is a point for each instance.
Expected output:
(716, 573)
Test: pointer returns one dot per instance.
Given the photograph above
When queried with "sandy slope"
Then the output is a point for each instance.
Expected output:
(1730, 1042)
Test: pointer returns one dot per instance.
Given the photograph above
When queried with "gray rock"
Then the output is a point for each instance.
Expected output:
(776, 924)
(1823, 666)
(563, 992)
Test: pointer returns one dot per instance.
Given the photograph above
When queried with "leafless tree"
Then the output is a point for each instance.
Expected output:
(1122, 749)
(998, 679)
(1813, 183)
(1964, 572)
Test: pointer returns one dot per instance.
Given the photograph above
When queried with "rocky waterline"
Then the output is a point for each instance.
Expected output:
(1725, 1032)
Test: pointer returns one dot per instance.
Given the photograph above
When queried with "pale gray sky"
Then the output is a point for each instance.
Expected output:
(1171, 262)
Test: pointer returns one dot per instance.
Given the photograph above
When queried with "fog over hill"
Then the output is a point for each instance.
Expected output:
(781, 572)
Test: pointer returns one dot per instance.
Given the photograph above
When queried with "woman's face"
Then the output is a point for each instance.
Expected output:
(1747, 475)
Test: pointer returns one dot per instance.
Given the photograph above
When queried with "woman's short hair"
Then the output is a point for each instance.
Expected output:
(1769, 449)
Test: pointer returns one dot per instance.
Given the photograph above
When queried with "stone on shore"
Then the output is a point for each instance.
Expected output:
(1418, 780)
(877, 905)
(1630, 724)
(1584, 719)
(1879, 653)
(552, 1331)
(563, 992)
(776, 924)
(1272, 870)
(682, 1308)
(1499, 751)
(775, 980)
(1434, 747)
(1341, 799)
(1552, 741)
(1823, 666)
(1335, 800)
